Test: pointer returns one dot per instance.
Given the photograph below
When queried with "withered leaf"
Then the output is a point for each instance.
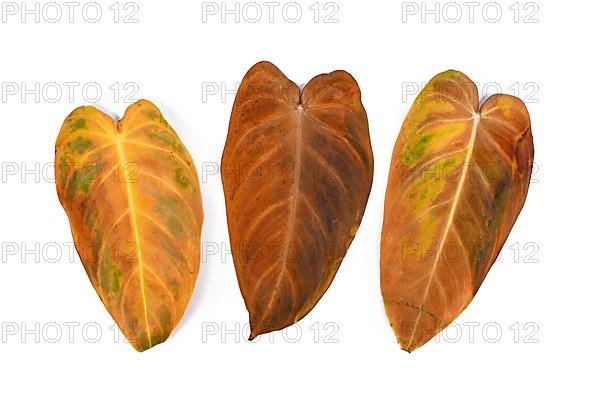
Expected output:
(458, 179)
(131, 192)
(297, 170)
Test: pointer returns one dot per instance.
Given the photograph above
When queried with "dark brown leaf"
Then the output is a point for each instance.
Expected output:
(297, 171)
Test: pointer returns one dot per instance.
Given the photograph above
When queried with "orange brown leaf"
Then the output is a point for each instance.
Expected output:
(458, 179)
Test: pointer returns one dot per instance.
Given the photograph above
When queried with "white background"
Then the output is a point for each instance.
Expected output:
(173, 58)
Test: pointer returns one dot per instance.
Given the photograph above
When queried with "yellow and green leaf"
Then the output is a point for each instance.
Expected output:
(131, 192)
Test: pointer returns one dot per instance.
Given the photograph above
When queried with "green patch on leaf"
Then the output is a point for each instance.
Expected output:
(164, 317)
(167, 205)
(166, 138)
(175, 226)
(90, 220)
(110, 277)
(416, 150)
(80, 145)
(97, 242)
(78, 124)
(81, 181)
(171, 211)
(157, 116)
(181, 179)
(63, 166)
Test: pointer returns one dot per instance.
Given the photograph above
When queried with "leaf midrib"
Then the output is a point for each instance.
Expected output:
(134, 224)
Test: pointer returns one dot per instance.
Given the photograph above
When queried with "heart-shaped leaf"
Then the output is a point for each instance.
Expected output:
(297, 171)
(458, 179)
(131, 192)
